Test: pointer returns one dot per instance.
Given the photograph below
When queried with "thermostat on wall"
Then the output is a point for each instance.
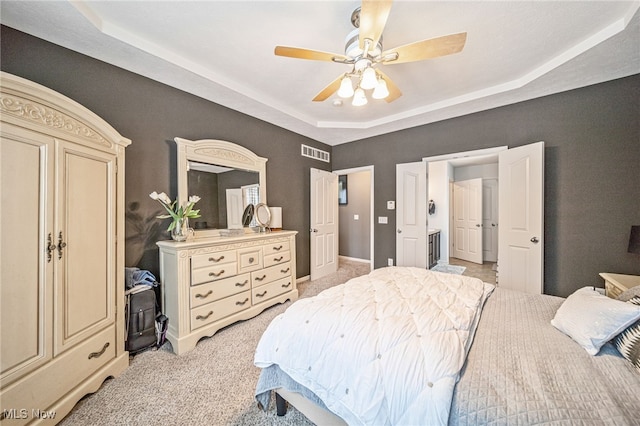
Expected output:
(391, 205)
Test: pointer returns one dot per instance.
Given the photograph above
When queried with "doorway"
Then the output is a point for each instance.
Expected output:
(356, 215)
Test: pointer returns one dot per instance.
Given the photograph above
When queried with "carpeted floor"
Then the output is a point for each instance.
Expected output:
(210, 385)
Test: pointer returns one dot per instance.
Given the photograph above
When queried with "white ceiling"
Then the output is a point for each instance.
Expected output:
(223, 51)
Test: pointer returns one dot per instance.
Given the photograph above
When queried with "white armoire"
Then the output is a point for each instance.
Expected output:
(62, 252)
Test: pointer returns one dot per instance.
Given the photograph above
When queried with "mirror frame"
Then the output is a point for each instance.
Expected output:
(222, 153)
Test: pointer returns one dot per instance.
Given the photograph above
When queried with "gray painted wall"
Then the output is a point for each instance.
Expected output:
(592, 156)
(592, 173)
(355, 235)
(151, 114)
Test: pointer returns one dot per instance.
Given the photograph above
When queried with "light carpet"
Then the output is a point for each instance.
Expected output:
(449, 269)
(213, 384)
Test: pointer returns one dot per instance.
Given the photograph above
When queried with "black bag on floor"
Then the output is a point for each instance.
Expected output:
(140, 317)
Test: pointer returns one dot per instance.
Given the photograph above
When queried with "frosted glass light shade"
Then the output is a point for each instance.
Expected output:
(369, 79)
(359, 98)
(381, 91)
(346, 88)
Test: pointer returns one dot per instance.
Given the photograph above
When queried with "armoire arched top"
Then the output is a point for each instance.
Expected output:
(31, 105)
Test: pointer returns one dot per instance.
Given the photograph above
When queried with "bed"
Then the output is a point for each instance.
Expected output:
(372, 351)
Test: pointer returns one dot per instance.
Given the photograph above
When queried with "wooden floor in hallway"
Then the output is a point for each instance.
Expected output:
(485, 271)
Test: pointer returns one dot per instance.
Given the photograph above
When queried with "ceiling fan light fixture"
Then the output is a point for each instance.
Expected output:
(381, 91)
(359, 98)
(369, 78)
(346, 87)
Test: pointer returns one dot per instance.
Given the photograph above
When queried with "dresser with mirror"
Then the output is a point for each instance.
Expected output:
(231, 268)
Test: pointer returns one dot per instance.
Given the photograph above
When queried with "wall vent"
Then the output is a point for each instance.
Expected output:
(318, 154)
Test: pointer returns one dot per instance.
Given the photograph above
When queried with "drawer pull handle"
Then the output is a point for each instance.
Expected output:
(204, 317)
(251, 260)
(204, 296)
(286, 285)
(243, 302)
(278, 259)
(284, 271)
(261, 278)
(213, 274)
(261, 295)
(98, 354)
(242, 284)
(211, 259)
(277, 248)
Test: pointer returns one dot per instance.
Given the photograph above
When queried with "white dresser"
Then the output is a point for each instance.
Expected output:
(209, 283)
(62, 263)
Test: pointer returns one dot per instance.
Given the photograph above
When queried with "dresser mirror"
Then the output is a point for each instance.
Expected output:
(226, 176)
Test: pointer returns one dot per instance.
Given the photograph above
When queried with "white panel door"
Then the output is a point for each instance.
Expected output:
(324, 223)
(490, 220)
(467, 220)
(520, 252)
(235, 208)
(411, 214)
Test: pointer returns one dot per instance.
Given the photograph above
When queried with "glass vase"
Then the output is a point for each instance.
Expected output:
(180, 231)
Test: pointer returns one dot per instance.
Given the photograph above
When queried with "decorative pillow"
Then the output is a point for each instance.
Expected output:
(628, 342)
(592, 319)
(626, 295)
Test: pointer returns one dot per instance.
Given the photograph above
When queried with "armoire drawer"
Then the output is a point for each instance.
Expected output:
(214, 311)
(62, 374)
(211, 273)
(276, 258)
(270, 274)
(216, 290)
(273, 289)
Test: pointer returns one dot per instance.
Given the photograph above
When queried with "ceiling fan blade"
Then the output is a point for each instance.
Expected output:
(394, 92)
(315, 55)
(427, 49)
(329, 90)
(373, 18)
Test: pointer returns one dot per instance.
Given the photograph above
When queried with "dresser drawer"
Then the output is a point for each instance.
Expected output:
(210, 292)
(211, 273)
(249, 259)
(276, 258)
(268, 291)
(276, 247)
(216, 258)
(270, 274)
(214, 311)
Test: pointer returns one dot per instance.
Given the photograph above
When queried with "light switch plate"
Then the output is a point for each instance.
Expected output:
(382, 219)
(356, 217)
(391, 205)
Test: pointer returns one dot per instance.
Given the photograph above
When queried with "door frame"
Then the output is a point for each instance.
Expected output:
(371, 207)
(452, 157)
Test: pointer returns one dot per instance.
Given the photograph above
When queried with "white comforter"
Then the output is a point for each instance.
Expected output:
(382, 349)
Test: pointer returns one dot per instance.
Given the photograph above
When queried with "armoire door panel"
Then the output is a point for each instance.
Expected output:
(86, 232)
(26, 272)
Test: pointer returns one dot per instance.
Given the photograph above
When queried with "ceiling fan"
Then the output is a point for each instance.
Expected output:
(363, 50)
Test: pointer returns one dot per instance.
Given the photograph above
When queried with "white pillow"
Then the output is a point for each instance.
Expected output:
(592, 319)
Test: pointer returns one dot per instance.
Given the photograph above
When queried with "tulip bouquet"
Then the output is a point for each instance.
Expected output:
(178, 213)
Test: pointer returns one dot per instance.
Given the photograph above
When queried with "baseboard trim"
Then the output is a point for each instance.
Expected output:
(354, 259)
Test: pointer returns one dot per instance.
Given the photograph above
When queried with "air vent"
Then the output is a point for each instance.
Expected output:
(318, 154)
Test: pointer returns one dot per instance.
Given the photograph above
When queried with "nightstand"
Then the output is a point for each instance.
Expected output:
(614, 284)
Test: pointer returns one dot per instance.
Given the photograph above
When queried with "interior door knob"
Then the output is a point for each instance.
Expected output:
(535, 240)
(313, 230)
(399, 231)
(477, 225)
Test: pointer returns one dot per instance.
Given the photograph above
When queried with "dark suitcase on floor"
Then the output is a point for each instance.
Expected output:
(140, 318)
